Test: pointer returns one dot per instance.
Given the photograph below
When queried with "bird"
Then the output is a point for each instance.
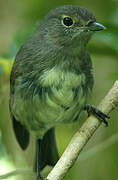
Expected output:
(51, 80)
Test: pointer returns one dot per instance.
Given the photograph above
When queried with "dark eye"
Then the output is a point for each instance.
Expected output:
(67, 21)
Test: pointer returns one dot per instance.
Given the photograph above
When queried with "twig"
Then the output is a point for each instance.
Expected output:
(83, 135)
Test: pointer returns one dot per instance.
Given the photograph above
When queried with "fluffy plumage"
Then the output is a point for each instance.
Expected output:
(52, 75)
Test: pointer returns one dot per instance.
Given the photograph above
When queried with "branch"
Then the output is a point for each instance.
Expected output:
(80, 139)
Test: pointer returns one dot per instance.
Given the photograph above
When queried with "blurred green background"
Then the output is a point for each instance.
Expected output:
(99, 159)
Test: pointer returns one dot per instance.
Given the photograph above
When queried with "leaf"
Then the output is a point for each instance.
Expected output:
(5, 65)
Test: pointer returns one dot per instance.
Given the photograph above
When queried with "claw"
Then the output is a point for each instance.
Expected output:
(99, 114)
(40, 178)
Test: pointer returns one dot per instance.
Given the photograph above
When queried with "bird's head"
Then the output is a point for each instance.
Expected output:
(70, 26)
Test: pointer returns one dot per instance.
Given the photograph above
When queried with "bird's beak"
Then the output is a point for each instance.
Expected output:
(94, 26)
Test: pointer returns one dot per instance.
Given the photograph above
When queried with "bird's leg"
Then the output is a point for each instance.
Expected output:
(96, 112)
(38, 161)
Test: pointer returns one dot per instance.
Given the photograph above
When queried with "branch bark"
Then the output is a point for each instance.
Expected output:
(80, 139)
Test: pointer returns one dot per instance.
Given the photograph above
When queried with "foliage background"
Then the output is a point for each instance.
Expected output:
(18, 19)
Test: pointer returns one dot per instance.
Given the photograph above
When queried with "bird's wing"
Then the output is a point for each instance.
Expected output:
(22, 135)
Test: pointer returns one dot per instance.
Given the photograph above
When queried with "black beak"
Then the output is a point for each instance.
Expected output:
(94, 26)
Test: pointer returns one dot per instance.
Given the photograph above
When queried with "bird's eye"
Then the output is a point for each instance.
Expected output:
(67, 21)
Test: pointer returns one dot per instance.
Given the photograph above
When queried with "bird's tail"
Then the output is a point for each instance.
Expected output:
(48, 150)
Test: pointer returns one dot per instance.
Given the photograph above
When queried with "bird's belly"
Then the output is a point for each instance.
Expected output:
(58, 106)
(61, 103)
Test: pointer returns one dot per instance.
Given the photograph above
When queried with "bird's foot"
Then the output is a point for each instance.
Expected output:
(96, 112)
(40, 178)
